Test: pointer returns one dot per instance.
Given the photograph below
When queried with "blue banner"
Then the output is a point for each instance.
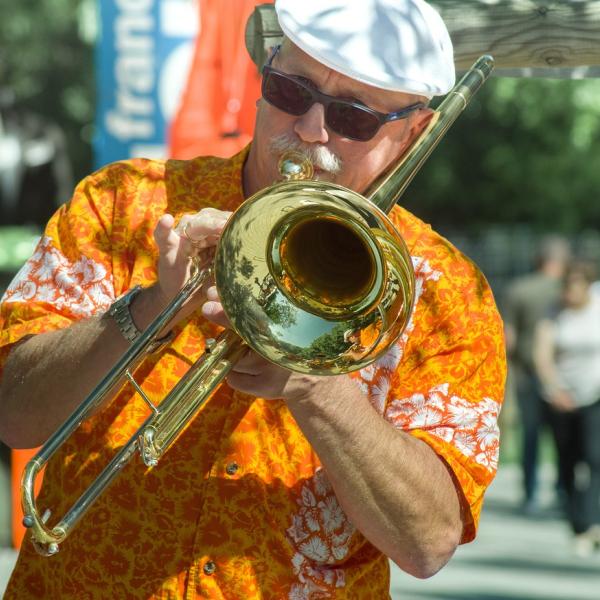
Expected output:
(144, 54)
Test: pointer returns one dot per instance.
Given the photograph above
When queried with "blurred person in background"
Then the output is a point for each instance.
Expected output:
(567, 359)
(528, 300)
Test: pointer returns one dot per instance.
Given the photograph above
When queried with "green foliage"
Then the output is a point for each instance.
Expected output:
(329, 344)
(49, 68)
(525, 151)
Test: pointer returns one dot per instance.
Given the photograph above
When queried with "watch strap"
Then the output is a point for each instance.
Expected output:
(121, 314)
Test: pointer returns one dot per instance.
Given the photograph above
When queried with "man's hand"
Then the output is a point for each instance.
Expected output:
(254, 375)
(194, 237)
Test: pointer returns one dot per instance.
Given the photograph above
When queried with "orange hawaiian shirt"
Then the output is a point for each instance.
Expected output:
(239, 507)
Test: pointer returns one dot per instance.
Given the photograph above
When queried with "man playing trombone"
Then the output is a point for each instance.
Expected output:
(286, 485)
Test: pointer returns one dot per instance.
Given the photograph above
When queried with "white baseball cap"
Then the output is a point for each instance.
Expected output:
(398, 45)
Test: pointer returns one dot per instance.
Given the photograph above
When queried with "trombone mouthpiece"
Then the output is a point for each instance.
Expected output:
(294, 165)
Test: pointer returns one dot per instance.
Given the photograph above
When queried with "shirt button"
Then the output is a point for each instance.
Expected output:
(232, 468)
(209, 567)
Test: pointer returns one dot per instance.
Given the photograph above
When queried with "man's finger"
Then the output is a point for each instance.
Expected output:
(211, 294)
(167, 240)
(204, 228)
(163, 229)
(251, 364)
(214, 312)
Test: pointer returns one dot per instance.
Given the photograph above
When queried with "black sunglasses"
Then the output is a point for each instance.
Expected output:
(344, 116)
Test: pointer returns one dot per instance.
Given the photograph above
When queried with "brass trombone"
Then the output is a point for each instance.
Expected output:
(279, 269)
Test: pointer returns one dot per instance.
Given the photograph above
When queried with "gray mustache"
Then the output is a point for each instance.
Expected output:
(321, 157)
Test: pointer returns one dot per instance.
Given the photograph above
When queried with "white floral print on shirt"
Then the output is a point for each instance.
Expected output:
(82, 288)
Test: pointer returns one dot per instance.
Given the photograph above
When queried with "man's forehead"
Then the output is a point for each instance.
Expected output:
(297, 62)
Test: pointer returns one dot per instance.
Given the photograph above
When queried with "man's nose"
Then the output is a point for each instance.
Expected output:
(310, 127)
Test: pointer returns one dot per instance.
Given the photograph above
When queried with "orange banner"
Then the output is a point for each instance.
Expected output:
(19, 458)
(218, 106)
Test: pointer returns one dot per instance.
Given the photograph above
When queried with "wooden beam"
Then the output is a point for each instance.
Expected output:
(550, 73)
(538, 34)
(527, 38)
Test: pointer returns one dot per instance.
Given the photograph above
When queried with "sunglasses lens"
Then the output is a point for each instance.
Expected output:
(344, 118)
(351, 121)
(285, 94)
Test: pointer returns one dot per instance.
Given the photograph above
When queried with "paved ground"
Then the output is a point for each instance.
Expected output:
(513, 558)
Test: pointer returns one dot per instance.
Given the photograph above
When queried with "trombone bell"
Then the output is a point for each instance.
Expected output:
(314, 277)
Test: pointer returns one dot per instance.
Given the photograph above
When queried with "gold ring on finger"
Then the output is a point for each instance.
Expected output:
(196, 244)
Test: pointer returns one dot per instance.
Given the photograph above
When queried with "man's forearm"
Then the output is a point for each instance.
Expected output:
(48, 375)
(392, 486)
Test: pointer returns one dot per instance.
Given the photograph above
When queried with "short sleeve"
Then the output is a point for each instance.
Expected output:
(443, 381)
(69, 276)
(93, 249)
